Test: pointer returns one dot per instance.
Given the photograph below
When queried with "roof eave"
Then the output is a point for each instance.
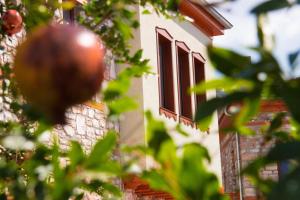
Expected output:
(205, 18)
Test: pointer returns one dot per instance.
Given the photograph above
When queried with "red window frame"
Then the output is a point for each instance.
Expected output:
(184, 82)
(198, 76)
(165, 80)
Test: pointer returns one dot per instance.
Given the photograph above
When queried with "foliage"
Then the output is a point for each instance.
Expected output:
(246, 83)
(30, 169)
(181, 175)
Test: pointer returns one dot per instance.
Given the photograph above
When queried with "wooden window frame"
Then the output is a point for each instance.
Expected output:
(183, 119)
(161, 32)
(199, 58)
(72, 12)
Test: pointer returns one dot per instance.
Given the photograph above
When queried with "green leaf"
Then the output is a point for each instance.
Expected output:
(204, 123)
(287, 188)
(116, 88)
(276, 122)
(121, 105)
(284, 151)
(137, 56)
(225, 84)
(180, 130)
(157, 133)
(249, 109)
(167, 156)
(205, 184)
(101, 150)
(270, 5)
(124, 29)
(66, 5)
(156, 181)
(76, 154)
(228, 62)
(146, 12)
(112, 189)
(289, 92)
(206, 109)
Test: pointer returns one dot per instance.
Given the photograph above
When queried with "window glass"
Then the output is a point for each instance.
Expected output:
(199, 76)
(166, 73)
(185, 101)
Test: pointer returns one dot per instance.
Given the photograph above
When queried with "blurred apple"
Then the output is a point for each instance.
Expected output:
(12, 22)
(59, 66)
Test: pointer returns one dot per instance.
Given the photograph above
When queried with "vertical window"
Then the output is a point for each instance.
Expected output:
(69, 16)
(164, 44)
(185, 101)
(199, 76)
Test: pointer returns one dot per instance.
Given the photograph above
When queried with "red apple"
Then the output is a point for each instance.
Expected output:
(12, 22)
(59, 66)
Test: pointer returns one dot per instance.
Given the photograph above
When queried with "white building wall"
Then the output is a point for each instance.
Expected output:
(197, 42)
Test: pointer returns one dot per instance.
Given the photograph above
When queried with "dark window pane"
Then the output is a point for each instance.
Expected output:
(199, 74)
(184, 83)
(166, 73)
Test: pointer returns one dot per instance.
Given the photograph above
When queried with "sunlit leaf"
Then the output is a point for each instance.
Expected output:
(101, 150)
(76, 154)
(157, 133)
(225, 84)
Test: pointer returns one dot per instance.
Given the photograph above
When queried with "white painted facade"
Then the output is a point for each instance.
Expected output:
(146, 89)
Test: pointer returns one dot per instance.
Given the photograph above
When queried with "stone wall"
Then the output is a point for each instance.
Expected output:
(7, 51)
(88, 122)
(84, 124)
(229, 160)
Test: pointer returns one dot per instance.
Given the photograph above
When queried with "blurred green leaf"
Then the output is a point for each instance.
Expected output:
(284, 151)
(156, 181)
(291, 96)
(207, 185)
(270, 5)
(121, 105)
(276, 122)
(228, 62)
(101, 151)
(287, 188)
(225, 84)
(248, 110)
(156, 133)
(207, 108)
(76, 154)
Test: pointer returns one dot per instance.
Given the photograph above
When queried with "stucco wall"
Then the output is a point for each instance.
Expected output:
(149, 89)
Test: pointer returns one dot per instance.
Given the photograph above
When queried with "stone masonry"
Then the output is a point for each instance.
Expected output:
(86, 123)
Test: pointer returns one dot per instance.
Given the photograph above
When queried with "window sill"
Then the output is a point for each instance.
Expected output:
(167, 113)
(186, 121)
